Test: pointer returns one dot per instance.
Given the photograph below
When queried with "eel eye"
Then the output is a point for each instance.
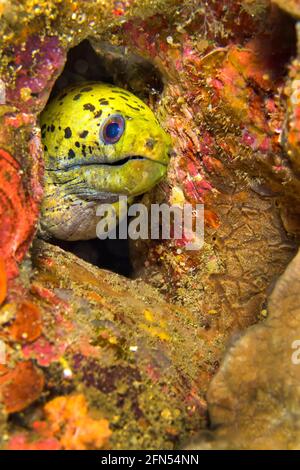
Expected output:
(112, 129)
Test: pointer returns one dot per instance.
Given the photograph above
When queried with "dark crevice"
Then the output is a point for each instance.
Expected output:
(112, 255)
(103, 62)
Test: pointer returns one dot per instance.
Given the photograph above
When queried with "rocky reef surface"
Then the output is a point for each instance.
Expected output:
(152, 361)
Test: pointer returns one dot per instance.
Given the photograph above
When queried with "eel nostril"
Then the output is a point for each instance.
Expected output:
(150, 143)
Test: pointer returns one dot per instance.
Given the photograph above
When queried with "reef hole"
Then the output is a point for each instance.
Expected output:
(94, 60)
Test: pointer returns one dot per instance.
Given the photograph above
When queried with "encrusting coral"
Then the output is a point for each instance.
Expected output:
(67, 426)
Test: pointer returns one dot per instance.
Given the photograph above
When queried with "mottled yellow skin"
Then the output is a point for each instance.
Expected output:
(81, 171)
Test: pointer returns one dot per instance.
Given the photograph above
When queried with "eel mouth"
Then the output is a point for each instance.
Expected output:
(97, 162)
(125, 160)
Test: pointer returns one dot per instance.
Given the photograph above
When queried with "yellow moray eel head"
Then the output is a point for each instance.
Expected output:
(100, 142)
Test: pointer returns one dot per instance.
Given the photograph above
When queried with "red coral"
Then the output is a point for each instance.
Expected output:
(43, 351)
(18, 214)
(21, 442)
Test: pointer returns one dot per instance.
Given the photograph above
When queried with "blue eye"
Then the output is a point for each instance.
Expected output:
(112, 129)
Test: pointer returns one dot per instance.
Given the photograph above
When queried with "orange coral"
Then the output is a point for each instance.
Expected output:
(27, 325)
(211, 219)
(68, 418)
(21, 386)
(3, 281)
(68, 427)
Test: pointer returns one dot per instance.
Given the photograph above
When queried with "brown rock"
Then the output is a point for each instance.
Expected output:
(254, 399)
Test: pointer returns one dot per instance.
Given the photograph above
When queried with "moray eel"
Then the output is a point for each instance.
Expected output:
(100, 142)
